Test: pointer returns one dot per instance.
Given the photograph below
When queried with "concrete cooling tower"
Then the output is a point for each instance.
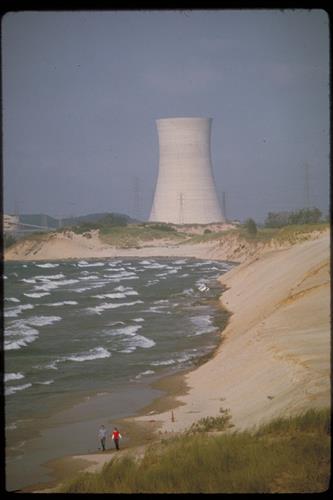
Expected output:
(185, 190)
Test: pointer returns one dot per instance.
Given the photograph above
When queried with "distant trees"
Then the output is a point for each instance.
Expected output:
(250, 226)
(110, 220)
(8, 240)
(302, 216)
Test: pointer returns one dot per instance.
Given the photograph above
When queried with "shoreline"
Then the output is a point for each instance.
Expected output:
(137, 435)
(287, 375)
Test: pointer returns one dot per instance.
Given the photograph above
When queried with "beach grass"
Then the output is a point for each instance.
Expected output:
(288, 234)
(288, 455)
(133, 235)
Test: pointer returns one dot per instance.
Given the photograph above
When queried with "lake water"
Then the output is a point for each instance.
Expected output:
(77, 329)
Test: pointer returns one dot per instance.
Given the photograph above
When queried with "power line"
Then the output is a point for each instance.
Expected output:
(181, 208)
(307, 185)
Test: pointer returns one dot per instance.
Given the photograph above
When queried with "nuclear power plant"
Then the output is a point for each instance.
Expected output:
(185, 190)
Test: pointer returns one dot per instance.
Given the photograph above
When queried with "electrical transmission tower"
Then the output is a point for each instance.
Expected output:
(181, 208)
(307, 185)
(137, 199)
(224, 206)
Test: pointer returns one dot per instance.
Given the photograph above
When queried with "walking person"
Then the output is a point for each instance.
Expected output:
(102, 436)
(116, 436)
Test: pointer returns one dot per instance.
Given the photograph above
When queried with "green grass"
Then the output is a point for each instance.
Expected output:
(286, 456)
(133, 235)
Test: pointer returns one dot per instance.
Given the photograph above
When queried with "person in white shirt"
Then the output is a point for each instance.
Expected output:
(102, 436)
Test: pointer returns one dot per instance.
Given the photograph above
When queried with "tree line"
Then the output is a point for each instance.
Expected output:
(302, 216)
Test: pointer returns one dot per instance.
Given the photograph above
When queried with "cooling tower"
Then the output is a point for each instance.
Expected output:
(185, 190)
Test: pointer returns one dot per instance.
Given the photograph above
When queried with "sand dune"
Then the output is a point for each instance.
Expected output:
(275, 356)
(274, 359)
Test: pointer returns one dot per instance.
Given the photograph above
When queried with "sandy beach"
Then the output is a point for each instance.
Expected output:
(274, 357)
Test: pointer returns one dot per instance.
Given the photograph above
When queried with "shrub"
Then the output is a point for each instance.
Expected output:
(8, 240)
(162, 227)
(208, 424)
(250, 226)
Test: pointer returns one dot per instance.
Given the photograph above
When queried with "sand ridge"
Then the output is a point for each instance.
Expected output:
(274, 357)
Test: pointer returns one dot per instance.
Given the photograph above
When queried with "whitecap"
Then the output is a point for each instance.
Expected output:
(129, 330)
(163, 363)
(90, 277)
(13, 376)
(126, 289)
(116, 295)
(19, 334)
(47, 265)
(203, 263)
(37, 295)
(141, 341)
(185, 357)
(157, 309)
(113, 323)
(110, 305)
(12, 299)
(15, 388)
(64, 303)
(204, 324)
(50, 277)
(142, 374)
(114, 263)
(151, 282)
(28, 280)
(86, 289)
(52, 285)
(14, 312)
(42, 320)
(47, 382)
(202, 321)
(155, 265)
(50, 366)
(122, 274)
(96, 353)
(138, 320)
(84, 263)
(11, 427)
(46, 287)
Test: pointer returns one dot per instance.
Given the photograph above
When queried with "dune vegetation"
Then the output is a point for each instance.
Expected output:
(287, 455)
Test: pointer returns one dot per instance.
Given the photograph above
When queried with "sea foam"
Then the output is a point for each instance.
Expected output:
(15, 311)
(13, 376)
(109, 305)
(37, 295)
(12, 389)
(96, 353)
(47, 265)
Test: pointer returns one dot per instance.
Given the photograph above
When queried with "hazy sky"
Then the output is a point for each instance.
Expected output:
(82, 90)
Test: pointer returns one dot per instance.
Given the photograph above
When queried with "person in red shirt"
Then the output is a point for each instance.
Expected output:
(116, 436)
